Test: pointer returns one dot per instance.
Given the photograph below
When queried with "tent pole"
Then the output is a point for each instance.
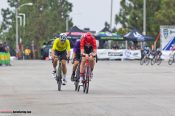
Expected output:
(126, 44)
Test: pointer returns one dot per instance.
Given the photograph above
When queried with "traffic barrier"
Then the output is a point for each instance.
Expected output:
(4, 58)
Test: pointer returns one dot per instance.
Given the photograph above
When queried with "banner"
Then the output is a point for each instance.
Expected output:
(118, 54)
(167, 37)
(132, 54)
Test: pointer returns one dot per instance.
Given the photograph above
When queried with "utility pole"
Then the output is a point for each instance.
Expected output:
(144, 17)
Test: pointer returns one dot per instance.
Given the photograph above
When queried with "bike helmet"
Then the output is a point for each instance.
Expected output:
(88, 37)
(63, 37)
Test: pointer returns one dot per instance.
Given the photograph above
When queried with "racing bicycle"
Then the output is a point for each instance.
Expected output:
(172, 58)
(59, 73)
(87, 76)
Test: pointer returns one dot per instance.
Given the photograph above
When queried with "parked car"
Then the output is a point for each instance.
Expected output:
(45, 49)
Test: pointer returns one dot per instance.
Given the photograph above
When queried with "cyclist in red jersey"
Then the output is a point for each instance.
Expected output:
(88, 50)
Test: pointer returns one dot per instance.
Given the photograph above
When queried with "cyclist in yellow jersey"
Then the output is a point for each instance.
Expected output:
(61, 49)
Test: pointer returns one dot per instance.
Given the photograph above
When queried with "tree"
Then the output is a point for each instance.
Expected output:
(166, 13)
(131, 15)
(44, 19)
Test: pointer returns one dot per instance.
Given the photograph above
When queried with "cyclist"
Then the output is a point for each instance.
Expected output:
(88, 50)
(146, 51)
(61, 48)
(173, 47)
(158, 53)
(75, 58)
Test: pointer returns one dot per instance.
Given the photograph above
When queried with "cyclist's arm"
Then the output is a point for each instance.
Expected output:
(68, 48)
(54, 48)
(74, 50)
(82, 46)
(94, 46)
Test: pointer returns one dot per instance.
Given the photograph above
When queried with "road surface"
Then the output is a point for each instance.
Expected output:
(119, 88)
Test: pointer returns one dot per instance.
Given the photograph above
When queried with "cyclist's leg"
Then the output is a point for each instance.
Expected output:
(64, 67)
(76, 62)
(82, 65)
(92, 64)
(54, 62)
(55, 59)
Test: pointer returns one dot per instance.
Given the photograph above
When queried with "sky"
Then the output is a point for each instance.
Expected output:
(89, 13)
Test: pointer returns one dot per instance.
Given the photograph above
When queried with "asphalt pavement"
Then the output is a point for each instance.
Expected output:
(119, 88)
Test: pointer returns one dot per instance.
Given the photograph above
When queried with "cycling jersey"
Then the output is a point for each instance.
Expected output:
(59, 46)
(77, 47)
(88, 47)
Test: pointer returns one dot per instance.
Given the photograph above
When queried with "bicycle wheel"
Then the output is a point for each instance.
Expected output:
(59, 85)
(153, 60)
(77, 77)
(84, 80)
(142, 61)
(171, 60)
(59, 77)
(147, 60)
(159, 61)
(87, 79)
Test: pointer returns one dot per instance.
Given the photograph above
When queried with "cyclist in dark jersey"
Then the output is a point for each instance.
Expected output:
(76, 58)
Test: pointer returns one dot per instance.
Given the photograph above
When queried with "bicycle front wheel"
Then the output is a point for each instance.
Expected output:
(59, 77)
(59, 85)
(170, 61)
(142, 61)
(147, 60)
(87, 79)
(153, 60)
(77, 77)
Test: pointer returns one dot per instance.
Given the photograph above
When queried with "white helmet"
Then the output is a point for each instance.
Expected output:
(63, 37)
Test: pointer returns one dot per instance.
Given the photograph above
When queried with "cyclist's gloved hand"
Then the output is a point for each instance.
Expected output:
(93, 54)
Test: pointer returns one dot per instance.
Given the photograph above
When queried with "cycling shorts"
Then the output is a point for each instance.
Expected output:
(61, 54)
(77, 57)
(88, 50)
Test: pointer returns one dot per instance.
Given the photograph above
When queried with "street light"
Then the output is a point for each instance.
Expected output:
(24, 18)
(26, 4)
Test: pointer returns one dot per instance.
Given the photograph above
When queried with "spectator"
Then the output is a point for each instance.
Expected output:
(27, 53)
(2, 49)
